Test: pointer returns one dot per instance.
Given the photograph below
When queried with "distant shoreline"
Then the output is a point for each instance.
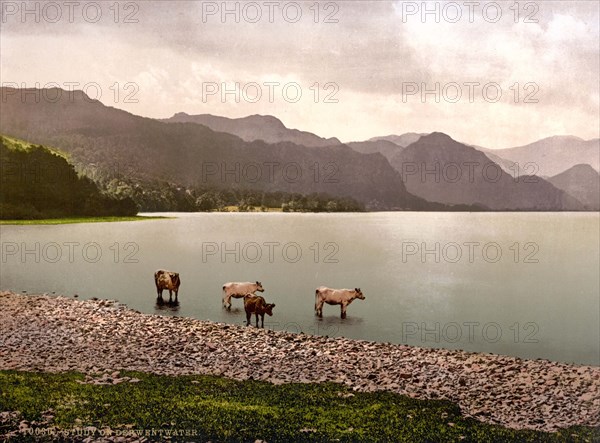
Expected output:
(72, 220)
(149, 216)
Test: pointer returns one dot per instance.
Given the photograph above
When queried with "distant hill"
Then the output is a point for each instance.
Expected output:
(582, 182)
(255, 127)
(466, 175)
(384, 147)
(190, 154)
(401, 140)
(38, 182)
(553, 155)
(388, 146)
(511, 168)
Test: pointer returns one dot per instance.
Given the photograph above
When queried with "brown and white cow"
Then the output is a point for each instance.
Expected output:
(341, 297)
(239, 290)
(167, 280)
(255, 304)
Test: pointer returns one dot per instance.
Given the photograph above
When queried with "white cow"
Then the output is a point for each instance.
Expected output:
(239, 290)
(341, 297)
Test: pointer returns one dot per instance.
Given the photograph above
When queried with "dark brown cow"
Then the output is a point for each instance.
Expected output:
(167, 280)
(255, 304)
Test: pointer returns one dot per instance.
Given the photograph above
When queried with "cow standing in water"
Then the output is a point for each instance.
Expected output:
(341, 297)
(167, 280)
(239, 290)
(255, 304)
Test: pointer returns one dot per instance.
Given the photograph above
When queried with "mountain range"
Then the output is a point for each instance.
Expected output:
(582, 182)
(576, 160)
(384, 147)
(191, 154)
(440, 169)
(552, 155)
(388, 145)
(392, 172)
(255, 127)
(402, 140)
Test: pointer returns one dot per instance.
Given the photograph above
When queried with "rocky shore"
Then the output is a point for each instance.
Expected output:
(44, 333)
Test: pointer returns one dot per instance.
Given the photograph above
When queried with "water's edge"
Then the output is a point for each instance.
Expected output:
(60, 334)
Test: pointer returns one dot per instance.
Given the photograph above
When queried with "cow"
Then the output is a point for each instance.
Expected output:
(341, 297)
(255, 304)
(167, 280)
(239, 290)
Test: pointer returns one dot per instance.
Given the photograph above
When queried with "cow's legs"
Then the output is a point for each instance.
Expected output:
(248, 315)
(227, 301)
(170, 295)
(262, 320)
(317, 302)
(318, 305)
(343, 309)
(256, 316)
(158, 292)
(319, 308)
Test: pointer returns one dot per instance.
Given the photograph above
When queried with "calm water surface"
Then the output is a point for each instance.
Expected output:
(524, 284)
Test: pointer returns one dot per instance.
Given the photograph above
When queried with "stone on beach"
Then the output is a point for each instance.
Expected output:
(102, 338)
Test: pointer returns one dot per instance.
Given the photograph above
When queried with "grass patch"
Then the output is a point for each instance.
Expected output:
(70, 220)
(225, 410)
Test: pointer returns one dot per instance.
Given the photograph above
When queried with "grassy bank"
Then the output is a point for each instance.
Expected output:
(220, 409)
(69, 220)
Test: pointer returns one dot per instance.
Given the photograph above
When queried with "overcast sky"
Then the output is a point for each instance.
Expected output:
(178, 56)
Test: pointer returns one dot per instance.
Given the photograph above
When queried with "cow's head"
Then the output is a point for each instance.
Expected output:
(259, 287)
(269, 308)
(359, 293)
(175, 278)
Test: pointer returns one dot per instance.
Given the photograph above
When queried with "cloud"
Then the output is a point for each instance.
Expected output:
(370, 54)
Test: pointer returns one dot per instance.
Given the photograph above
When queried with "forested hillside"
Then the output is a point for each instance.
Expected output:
(37, 182)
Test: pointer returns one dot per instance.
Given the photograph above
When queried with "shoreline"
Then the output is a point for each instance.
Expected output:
(60, 334)
(76, 220)
(173, 215)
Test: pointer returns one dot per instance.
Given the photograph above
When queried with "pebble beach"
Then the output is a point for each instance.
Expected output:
(56, 334)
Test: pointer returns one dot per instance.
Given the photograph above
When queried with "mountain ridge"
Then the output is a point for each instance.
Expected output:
(581, 181)
(552, 155)
(191, 154)
(402, 140)
(180, 153)
(440, 169)
(255, 127)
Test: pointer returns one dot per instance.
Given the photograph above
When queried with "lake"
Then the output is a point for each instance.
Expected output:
(523, 284)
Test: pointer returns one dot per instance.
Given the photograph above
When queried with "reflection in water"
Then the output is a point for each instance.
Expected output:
(336, 320)
(237, 316)
(167, 305)
(328, 325)
(234, 311)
